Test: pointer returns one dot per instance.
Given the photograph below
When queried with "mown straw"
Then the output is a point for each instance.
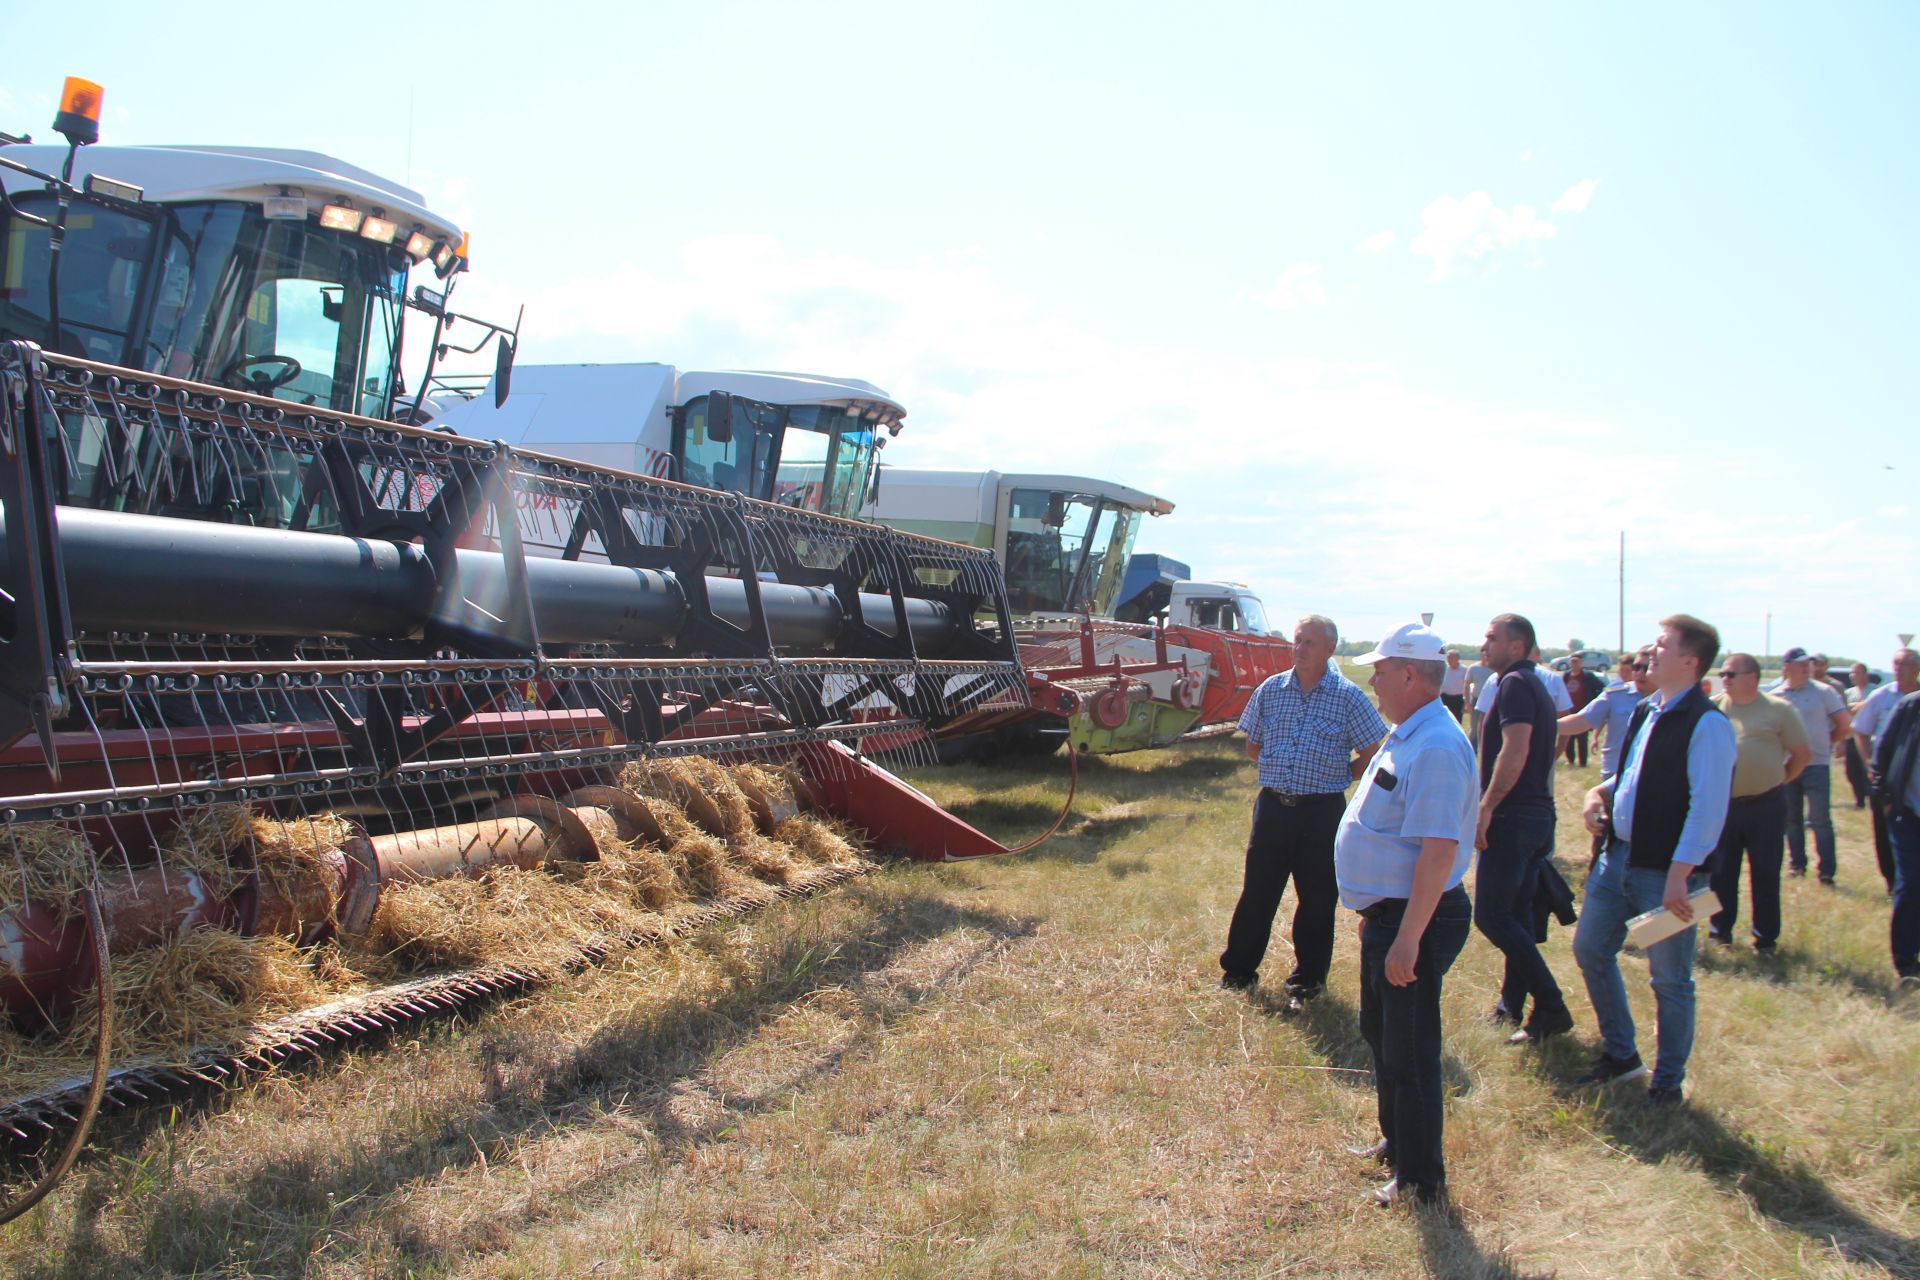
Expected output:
(50, 865)
(206, 841)
(680, 778)
(821, 841)
(293, 857)
(207, 986)
(510, 915)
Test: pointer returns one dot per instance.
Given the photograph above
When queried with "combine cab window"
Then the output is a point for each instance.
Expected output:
(1253, 618)
(102, 269)
(743, 464)
(806, 456)
(230, 297)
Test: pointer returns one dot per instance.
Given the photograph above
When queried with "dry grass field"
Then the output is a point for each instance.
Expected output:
(1025, 1068)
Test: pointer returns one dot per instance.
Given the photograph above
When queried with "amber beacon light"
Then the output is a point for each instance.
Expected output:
(78, 119)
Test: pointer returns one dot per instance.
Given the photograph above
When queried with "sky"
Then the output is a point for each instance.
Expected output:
(1406, 308)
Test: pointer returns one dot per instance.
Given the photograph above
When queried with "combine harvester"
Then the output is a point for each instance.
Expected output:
(274, 666)
(1103, 684)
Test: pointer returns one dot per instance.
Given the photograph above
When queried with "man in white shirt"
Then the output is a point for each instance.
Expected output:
(1453, 686)
(1809, 796)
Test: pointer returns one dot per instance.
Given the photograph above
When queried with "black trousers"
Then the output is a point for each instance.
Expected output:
(1288, 842)
(1456, 705)
(1755, 828)
(1857, 775)
(1402, 1027)
(1578, 740)
(1882, 842)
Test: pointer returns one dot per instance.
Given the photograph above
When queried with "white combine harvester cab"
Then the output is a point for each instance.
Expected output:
(795, 439)
(276, 272)
(1064, 540)
(1217, 606)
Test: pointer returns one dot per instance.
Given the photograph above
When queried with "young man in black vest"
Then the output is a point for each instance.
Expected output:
(1661, 816)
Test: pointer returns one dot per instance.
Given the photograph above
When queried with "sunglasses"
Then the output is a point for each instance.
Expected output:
(1728, 673)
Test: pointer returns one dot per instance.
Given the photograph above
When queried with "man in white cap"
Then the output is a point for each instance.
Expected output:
(1399, 858)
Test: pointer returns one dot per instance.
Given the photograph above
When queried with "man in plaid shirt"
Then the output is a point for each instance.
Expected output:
(1312, 731)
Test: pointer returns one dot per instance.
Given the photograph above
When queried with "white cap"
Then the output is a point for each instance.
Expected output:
(1415, 641)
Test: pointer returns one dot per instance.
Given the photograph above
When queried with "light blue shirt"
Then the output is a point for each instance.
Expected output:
(1611, 711)
(1307, 740)
(1875, 710)
(1422, 784)
(1710, 756)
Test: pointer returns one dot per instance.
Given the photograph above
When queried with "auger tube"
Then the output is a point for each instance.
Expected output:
(158, 574)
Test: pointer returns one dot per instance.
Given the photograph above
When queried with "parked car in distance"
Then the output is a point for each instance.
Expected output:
(1598, 661)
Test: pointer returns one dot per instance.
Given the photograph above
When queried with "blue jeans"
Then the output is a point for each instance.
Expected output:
(1808, 805)
(1402, 1027)
(1616, 892)
(1504, 884)
(1903, 826)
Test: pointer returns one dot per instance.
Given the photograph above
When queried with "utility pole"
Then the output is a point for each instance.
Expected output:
(1623, 593)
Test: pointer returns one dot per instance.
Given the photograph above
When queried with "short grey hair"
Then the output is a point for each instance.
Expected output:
(1434, 672)
(1326, 626)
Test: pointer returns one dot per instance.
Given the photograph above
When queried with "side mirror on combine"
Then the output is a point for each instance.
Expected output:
(502, 371)
(1056, 515)
(720, 416)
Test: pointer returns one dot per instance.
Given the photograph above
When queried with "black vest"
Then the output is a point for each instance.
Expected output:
(1663, 794)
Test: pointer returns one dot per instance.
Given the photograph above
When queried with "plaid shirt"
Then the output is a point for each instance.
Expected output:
(1307, 740)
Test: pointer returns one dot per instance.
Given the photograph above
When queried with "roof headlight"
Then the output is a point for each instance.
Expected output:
(379, 229)
(419, 245)
(341, 217)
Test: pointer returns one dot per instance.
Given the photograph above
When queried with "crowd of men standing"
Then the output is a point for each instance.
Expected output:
(1693, 787)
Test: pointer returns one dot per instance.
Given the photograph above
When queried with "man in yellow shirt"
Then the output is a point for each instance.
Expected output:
(1772, 746)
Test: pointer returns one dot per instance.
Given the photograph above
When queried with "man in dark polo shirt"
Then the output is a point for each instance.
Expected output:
(1662, 815)
(1518, 743)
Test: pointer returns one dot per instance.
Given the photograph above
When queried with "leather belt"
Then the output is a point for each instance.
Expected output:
(1383, 907)
(1294, 798)
(1768, 794)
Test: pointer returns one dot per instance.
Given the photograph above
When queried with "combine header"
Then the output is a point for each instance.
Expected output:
(420, 656)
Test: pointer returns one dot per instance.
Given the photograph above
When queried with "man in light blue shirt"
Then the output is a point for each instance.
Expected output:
(1662, 813)
(1399, 857)
(1610, 711)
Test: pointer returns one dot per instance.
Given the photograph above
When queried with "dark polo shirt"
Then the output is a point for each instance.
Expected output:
(1522, 699)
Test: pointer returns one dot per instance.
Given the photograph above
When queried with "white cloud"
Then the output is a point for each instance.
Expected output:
(1298, 287)
(1460, 234)
(1379, 242)
(1577, 197)
(1325, 482)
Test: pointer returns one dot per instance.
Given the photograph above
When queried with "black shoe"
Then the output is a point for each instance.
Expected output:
(1379, 1152)
(1543, 1023)
(1501, 1016)
(1661, 1095)
(1826, 882)
(1798, 872)
(1719, 938)
(1765, 948)
(1238, 981)
(1608, 1070)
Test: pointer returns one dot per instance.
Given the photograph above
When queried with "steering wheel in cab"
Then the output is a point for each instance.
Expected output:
(260, 381)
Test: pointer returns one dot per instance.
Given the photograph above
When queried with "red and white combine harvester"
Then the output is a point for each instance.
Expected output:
(236, 590)
(1116, 661)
